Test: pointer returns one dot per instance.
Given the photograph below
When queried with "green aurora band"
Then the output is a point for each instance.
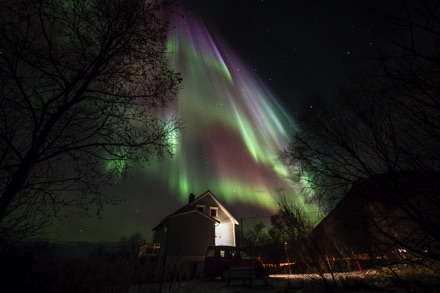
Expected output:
(234, 126)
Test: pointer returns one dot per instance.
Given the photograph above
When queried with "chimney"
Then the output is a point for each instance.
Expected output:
(191, 197)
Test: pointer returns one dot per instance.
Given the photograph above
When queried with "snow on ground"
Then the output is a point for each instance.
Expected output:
(207, 285)
(295, 283)
(275, 283)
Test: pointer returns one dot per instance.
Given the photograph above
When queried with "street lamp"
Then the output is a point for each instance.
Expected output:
(287, 257)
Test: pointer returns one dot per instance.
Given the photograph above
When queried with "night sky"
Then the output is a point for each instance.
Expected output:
(247, 68)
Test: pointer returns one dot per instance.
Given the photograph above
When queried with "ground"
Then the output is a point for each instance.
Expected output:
(365, 282)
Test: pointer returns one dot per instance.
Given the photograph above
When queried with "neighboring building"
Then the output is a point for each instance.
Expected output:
(187, 233)
(384, 216)
(346, 230)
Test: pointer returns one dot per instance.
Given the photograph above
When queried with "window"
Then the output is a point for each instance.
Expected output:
(201, 208)
(210, 252)
(213, 212)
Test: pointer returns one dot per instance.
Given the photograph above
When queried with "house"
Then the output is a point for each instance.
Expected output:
(386, 216)
(187, 232)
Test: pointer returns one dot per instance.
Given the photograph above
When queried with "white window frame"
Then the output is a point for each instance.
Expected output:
(200, 208)
(213, 209)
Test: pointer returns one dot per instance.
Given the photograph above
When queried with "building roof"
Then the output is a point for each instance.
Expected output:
(183, 210)
(351, 216)
(192, 212)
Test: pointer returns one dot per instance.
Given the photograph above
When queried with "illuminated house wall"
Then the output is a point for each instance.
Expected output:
(203, 222)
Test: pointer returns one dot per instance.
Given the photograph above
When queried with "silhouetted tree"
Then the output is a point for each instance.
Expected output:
(387, 123)
(130, 245)
(296, 227)
(82, 88)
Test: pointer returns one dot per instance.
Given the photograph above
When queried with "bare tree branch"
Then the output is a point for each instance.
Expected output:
(82, 83)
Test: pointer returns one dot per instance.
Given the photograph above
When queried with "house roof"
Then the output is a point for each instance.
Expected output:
(391, 190)
(182, 211)
(191, 212)
(385, 187)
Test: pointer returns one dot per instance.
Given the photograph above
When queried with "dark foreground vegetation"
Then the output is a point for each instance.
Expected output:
(41, 266)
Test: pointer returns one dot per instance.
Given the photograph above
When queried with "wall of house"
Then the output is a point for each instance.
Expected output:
(189, 235)
(225, 231)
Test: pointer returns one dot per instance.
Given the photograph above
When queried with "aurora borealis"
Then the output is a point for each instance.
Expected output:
(238, 107)
(234, 126)
(234, 129)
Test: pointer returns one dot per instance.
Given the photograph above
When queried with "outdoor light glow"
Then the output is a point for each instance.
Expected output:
(222, 231)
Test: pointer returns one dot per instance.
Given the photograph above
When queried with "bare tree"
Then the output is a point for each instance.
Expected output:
(82, 84)
(296, 227)
(130, 245)
(386, 124)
